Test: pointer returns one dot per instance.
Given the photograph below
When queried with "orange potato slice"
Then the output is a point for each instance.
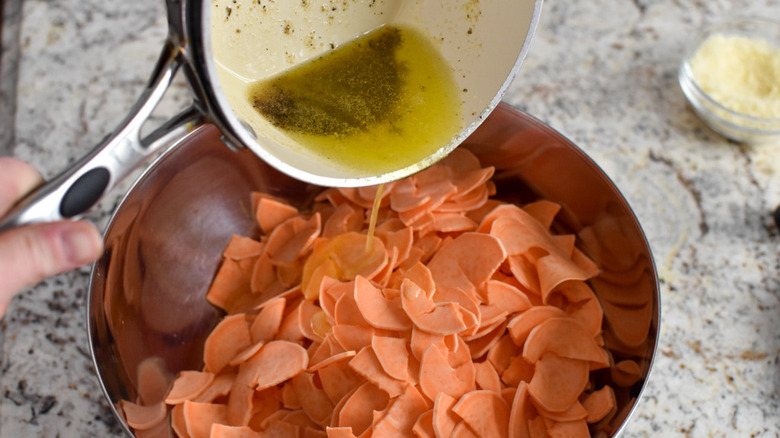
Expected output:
(399, 418)
(599, 404)
(270, 212)
(266, 324)
(462, 430)
(357, 412)
(575, 412)
(199, 417)
(444, 419)
(519, 370)
(485, 412)
(225, 431)
(178, 423)
(219, 387)
(521, 325)
(340, 432)
(467, 262)
(276, 362)
(565, 337)
(487, 377)
(159, 430)
(378, 310)
(501, 353)
(292, 238)
(346, 218)
(229, 338)
(517, 426)
(543, 211)
(437, 375)
(239, 405)
(555, 269)
(230, 282)
(504, 296)
(241, 247)
(338, 379)
(314, 401)
(393, 355)
(423, 427)
(188, 385)
(445, 319)
(366, 364)
(565, 429)
(345, 258)
(558, 381)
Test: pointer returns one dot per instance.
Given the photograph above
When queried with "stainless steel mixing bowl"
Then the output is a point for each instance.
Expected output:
(164, 244)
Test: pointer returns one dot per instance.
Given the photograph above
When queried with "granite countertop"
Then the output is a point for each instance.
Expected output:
(602, 72)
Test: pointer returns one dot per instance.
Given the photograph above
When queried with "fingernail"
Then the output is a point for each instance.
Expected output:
(79, 245)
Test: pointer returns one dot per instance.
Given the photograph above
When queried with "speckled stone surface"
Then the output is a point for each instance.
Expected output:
(602, 72)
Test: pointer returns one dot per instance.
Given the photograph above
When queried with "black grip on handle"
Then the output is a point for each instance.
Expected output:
(85, 192)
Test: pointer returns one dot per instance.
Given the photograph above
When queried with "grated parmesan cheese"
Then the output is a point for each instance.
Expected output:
(741, 73)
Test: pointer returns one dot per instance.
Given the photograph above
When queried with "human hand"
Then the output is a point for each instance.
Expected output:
(31, 253)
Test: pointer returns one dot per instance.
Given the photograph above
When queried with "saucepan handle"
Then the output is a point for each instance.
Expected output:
(79, 187)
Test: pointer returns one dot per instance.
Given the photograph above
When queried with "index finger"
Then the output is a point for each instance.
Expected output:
(17, 178)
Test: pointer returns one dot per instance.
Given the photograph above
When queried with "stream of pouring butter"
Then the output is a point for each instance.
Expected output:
(372, 220)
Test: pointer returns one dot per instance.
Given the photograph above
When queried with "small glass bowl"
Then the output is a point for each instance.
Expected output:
(731, 124)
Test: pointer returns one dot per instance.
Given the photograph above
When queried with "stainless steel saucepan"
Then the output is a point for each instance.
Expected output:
(483, 42)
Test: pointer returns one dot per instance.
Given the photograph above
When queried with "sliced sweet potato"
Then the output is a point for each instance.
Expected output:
(521, 325)
(599, 404)
(437, 375)
(558, 381)
(467, 262)
(199, 417)
(241, 247)
(357, 412)
(485, 412)
(225, 431)
(366, 364)
(423, 427)
(487, 377)
(219, 387)
(393, 355)
(272, 212)
(229, 338)
(230, 282)
(565, 337)
(378, 310)
(188, 385)
(517, 426)
(340, 432)
(399, 418)
(266, 324)
(276, 362)
(314, 401)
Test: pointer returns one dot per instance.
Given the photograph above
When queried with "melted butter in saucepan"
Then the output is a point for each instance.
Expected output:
(373, 104)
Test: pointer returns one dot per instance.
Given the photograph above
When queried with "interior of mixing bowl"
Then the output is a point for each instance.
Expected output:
(164, 244)
(483, 42)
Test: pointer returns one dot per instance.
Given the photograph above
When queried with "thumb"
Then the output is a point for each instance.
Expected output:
(31, 253)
